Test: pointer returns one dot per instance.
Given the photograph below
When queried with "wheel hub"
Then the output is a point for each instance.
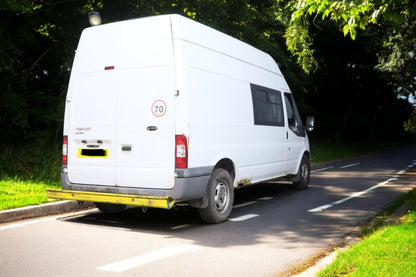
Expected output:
(221, 196)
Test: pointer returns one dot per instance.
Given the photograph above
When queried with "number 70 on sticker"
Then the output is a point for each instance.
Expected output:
(159, 108)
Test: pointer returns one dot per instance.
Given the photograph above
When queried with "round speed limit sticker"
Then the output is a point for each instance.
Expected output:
(159, 108)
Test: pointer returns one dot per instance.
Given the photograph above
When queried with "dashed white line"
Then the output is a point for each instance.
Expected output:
(243, 217)
(244, 204)
(150, 257)
(349, 165)
(266, 198)
(322, 169)
(180, 226)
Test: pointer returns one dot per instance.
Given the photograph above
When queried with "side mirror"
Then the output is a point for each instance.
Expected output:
(310, 123)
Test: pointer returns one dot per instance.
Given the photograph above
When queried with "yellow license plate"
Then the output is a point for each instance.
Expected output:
(92, 153)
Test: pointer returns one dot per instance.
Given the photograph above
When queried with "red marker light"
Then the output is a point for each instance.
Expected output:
(65, 151)
(181, 158)
(111, 67)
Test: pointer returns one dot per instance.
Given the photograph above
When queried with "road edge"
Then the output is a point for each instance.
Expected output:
(47, 209)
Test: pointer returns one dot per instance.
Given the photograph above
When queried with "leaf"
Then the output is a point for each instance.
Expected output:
(346, 29)
(325, 14)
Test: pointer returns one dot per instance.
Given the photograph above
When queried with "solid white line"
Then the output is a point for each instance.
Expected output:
(244, 204)
(354, 195)
(21, 224)
(320, 209)
(349, 165)
(44, 219)
(150, 257)
(322, 169)
(243, 218)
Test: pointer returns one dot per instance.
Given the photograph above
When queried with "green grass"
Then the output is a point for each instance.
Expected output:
(25, 173)
(15, 193)
(388, 251)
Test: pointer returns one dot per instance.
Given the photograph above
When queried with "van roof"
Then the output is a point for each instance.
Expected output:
(191, 31)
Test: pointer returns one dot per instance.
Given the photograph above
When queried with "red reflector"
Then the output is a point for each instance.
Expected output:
(181, 158)
(65, 151)
(109, 67)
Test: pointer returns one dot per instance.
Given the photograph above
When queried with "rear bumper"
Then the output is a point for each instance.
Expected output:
(190, 184)
(122, 199)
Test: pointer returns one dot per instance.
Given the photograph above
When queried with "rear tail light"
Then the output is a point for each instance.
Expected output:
(65, 151)
(181, 158)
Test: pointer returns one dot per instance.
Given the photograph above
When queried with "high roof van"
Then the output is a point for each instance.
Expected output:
(164, 110)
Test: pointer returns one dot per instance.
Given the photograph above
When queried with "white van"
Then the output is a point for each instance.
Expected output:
(164, 110)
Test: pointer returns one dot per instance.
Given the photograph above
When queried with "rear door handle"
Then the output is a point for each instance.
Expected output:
(126, 148)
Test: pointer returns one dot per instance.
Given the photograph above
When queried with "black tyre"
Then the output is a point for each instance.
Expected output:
(302, 178)
(220, 197)
(108, 208)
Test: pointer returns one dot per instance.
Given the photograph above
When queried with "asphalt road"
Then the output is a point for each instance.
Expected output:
(272, 227)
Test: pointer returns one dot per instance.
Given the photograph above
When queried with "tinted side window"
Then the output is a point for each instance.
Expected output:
(293, 117)
(267, 106)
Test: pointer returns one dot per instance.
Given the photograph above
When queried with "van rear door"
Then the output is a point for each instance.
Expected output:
(121, 106)
(145, 128)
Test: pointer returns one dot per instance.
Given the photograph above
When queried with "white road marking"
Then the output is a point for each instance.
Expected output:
(320, 209)
(21, 224)
(349, 165)
(322, 169)
(150, 257)
(243, 217)
(266, 198)
(354, 195)
(244, 204)
(45, 219)
(179, 226)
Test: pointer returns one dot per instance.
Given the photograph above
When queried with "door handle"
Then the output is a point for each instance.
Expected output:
(126, 148)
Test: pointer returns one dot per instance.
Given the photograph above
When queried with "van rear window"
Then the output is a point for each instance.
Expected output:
(267, 106)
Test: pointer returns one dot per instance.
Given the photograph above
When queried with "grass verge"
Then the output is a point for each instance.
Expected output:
(384, 251)
(15, 193)
(26, 172)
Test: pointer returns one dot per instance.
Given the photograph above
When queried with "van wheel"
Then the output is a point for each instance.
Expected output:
(302, 178)
(220, 197)
(108, 208)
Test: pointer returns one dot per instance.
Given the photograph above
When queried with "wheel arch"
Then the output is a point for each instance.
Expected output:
(228, 165)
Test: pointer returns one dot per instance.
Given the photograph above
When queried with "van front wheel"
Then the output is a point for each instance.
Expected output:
(220, 196)
(302, 178)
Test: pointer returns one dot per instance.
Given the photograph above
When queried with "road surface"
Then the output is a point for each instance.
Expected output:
(272, 227)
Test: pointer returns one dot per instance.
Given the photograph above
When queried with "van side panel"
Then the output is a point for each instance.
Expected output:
(220, 114)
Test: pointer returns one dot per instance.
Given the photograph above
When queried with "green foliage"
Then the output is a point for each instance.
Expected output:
(39, 39)
(394, 22)
(410, 124)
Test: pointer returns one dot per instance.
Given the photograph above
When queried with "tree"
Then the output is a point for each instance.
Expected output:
(394, 20)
